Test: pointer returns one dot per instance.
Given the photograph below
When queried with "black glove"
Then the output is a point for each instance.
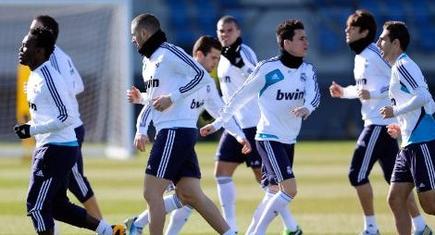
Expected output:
(22, 131)
(232, 53)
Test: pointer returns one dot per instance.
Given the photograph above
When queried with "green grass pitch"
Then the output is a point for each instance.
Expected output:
(325, 204)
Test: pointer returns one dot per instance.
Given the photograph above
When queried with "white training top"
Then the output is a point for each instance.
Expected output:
(171, 71)
(50, 107)
(207, 98)
(412, 103)
(371, 73)
(231, 78)
(278, 90)
(64, 65)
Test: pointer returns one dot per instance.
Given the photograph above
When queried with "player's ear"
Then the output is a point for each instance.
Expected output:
(199, 54)
(285, 43)
(365, 32)
(396, 42)
(40, 52)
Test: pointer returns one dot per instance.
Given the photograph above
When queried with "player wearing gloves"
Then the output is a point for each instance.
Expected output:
(79, 184)
(56, 144)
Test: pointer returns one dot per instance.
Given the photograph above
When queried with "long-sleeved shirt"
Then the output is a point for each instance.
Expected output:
(170, 71)
(412, 103)
(50, 107)
(64, 65)
(371, 73)
(278, 90)
(205, 99)
(231, 78)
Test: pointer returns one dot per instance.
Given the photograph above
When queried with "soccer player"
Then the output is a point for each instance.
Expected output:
(372, 76)
(78, 183)
(286, 90)
(206, 51)
(236, 63)
(413, 106)
(56, 144)
(170, 76)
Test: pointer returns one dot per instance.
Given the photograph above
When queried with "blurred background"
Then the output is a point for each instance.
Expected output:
(186, 20)
(96, 35)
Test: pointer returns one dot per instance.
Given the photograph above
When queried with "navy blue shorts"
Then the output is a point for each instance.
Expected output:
(374, 143)
(277, 160)
(46, 198)
(173, 155)
(266, 181)
(79, 184)
(415, 164)
(229, 150)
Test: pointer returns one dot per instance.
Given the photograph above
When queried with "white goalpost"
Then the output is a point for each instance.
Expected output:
(96, 34)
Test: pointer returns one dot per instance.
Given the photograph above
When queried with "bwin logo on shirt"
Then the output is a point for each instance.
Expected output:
(33, 106)
(227, 79)
(196, 104)
(151, 83)
(362, 81)
(296, 95)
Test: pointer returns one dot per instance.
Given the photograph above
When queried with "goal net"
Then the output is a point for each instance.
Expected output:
(96, 36)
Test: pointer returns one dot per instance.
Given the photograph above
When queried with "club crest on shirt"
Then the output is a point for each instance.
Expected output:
(36, 88)
(289, 170)
(303, 77)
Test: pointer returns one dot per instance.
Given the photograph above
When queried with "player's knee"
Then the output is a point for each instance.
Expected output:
(395, 200)
(151, 195)
(355, 180)
(187, 197)
(428, 207)
(291, 191)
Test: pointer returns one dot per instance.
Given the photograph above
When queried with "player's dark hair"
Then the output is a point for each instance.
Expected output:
(148, 22)
(50, 23)
(229, 19)
(205, 44)
(398, 30)
(286, 30)
(43, 39)
(365, 21)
